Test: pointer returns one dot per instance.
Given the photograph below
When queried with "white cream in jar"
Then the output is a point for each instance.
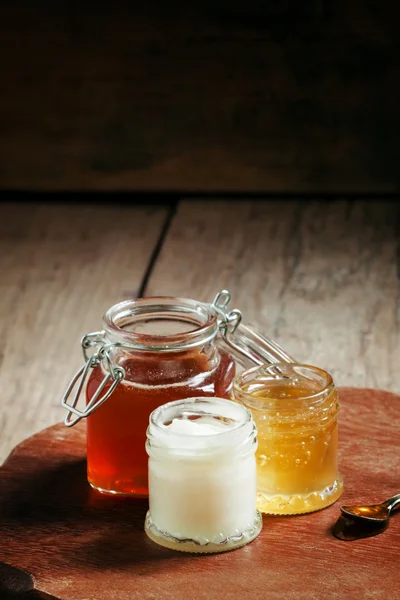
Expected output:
(202, 475)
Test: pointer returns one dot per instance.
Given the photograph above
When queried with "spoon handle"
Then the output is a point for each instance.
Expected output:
(393, 503)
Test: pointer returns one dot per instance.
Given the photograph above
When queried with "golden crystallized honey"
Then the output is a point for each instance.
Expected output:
(295, 408)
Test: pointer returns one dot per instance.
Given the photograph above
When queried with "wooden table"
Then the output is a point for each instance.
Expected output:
(320, 278)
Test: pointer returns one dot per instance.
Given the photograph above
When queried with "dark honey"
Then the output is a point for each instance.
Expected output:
(116, 431)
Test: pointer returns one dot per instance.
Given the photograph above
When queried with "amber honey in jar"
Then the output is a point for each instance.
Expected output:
(167, 352)
(295, 408)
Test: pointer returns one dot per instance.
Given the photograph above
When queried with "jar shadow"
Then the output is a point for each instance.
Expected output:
(92, 530)
(121, 548)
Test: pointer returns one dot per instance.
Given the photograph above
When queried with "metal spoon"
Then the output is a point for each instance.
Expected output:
(357, 522)
(376, 513)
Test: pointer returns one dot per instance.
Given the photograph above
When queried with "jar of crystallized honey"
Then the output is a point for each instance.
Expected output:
(152, 351)
(295, 408)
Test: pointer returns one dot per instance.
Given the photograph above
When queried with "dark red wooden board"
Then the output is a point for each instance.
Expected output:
(63, 540)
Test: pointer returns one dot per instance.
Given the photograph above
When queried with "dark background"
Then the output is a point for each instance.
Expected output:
(292, 96)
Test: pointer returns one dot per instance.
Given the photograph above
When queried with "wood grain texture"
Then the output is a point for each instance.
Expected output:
(78, 545)
(322, 279)
(61, 268)
(202, 96)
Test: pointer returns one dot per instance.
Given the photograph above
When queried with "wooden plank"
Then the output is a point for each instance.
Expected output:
(322, 279)
(64, 539)
(288, 96)
(61, 268)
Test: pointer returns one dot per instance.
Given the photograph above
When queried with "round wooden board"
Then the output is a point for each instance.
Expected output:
(63, 540)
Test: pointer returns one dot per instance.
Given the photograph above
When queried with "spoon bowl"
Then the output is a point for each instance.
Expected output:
(355, 529)
(360, 521)
(374, 512)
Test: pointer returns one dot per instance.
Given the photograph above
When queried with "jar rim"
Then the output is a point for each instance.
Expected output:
(162, 307)
(283, 371)
(238, 437)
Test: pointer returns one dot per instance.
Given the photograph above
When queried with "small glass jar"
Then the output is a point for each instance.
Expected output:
(152, 351)
(173, 355)
(202, 474)
(295, 408)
